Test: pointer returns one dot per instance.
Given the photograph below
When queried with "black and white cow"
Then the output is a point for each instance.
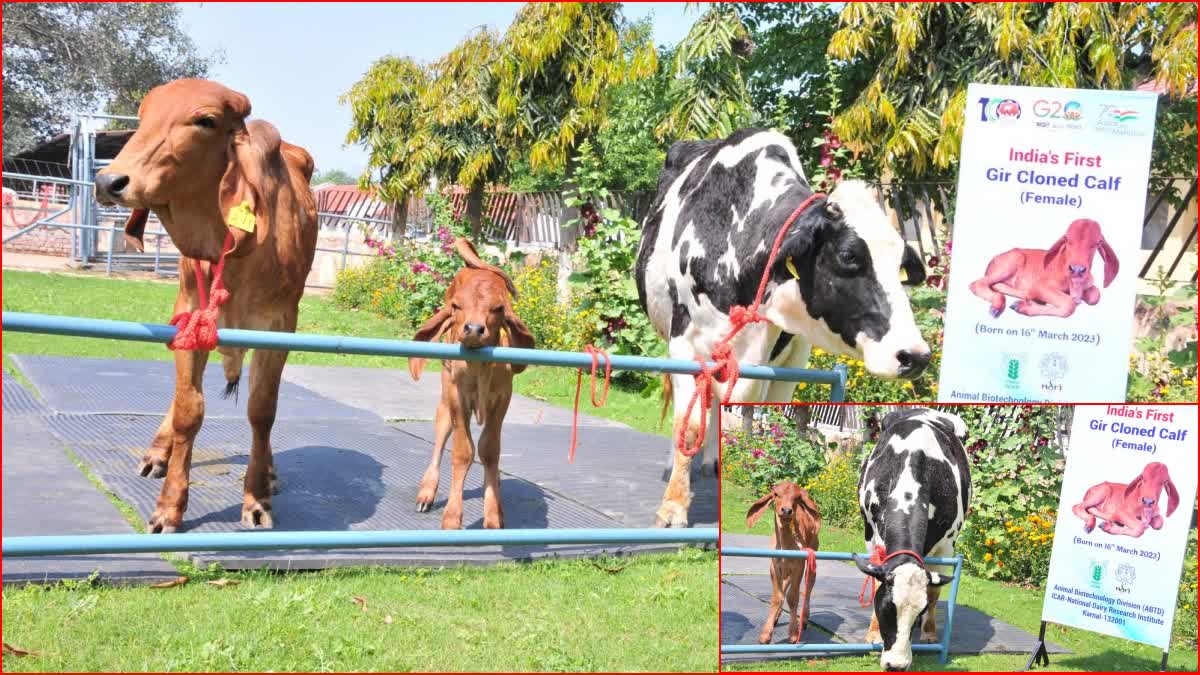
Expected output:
(913, 494)
(836, 283)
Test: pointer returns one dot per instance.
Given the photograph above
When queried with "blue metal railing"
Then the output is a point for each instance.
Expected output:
(336, 344)
(942, 649)
(21, 547)
(144, 332)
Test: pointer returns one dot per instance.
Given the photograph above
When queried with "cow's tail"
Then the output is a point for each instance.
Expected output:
(231, 361)
(668, 392)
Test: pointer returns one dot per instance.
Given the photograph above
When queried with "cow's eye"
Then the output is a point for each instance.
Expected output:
(498, 308)
(454, 306)
(847, 258)
(205, 122)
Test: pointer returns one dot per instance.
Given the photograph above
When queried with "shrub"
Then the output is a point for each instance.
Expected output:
(777, 453)
(1185, 612)
(835, 490)
(1158, 374)
(556, 325)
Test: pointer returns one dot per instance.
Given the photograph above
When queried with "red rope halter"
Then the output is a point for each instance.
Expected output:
(878, 557)
(726, 369)
(198, 328)
(8, 206)
(595, 353)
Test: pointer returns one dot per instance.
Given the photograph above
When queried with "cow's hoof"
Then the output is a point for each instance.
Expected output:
(154, 464)
(996, 311)
(1087, 529)
(764, 639)
(163, 522)
(257, 514)
(671, 515)
(274, 483)
(794, 639)
(425, 499)
(929, 637)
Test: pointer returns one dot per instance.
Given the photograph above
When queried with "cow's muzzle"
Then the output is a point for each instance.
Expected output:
(912, 363)
(110, 186)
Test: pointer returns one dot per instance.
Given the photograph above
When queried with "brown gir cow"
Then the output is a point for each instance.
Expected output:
(1129, 509)
(478, 312)
(797, 525)
(192, 160)
(1049, 282)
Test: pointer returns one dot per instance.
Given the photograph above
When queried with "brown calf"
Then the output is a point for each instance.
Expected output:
(192, 160)
(797, 524)
(477, 313)
(1129, 509)
(1049, 282)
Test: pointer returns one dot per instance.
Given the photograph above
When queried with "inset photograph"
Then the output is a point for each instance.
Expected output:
(862, 538)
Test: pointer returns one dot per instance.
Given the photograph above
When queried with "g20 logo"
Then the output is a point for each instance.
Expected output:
(993, 109)
(1071, 111)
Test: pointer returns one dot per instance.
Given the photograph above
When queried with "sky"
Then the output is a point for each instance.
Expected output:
(294, 60)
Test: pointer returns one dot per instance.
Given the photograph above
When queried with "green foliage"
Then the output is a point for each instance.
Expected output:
(558, 325)
(908, 119)
(388, 120)
(79, 56)
(835, 490)
(1185, 611)
(407, 281)
(332, 176)
(708, 97)
(557, 64)
(776, 452)
(1158, 373)
(605, 257)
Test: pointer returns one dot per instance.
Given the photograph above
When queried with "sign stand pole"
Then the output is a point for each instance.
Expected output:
(1040, 656)
(1163, 666)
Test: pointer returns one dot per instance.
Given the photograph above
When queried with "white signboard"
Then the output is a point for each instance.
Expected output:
(1123, 521)
(1046, 244)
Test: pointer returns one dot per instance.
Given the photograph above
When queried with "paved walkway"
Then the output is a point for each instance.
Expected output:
(835, 615)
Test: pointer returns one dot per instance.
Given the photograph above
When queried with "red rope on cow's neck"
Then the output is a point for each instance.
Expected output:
(879, 556)
(595, 354)
(726, 369)
(810, 572)
(198, 328)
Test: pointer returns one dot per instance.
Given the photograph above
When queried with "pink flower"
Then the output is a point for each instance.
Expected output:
(826, 160)
(420, 267)
(757, 453)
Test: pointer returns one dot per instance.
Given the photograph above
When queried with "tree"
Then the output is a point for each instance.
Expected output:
(559, 61)
(708, 97)
(334, 176)
(908, 119)
(388, 119)
(460, 102)
(61, 58)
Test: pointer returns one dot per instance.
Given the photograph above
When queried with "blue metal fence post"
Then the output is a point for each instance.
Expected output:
(837, 391)
(953, 600)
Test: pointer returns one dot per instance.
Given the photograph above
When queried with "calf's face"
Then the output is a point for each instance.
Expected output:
(849, 263)
(1147, 489)
(1078, 248)
(900, 601)
(791, 503)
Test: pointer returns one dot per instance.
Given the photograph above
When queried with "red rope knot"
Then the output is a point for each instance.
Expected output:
(879, 556)
(596, 354)
(198, 328)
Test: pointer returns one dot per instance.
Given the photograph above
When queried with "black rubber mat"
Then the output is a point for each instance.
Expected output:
(344, 468)
(835, 610)
(44, 492)
(112, 386)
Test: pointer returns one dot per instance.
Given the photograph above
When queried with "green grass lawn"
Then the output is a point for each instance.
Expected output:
(656, 612)
(152, 301)
(1021, 607)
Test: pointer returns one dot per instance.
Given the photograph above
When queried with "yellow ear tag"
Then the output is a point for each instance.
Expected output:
(903, 275)
(503, 333)
(792, 268)
(241, 217)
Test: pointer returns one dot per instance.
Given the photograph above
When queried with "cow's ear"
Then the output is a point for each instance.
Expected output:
(936, 579)
(914, 269)
(806, 501)
(1133, 486)
(1053, 251)
(757, 508)
(1172, 496)
(869, 569)
(135, 229)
